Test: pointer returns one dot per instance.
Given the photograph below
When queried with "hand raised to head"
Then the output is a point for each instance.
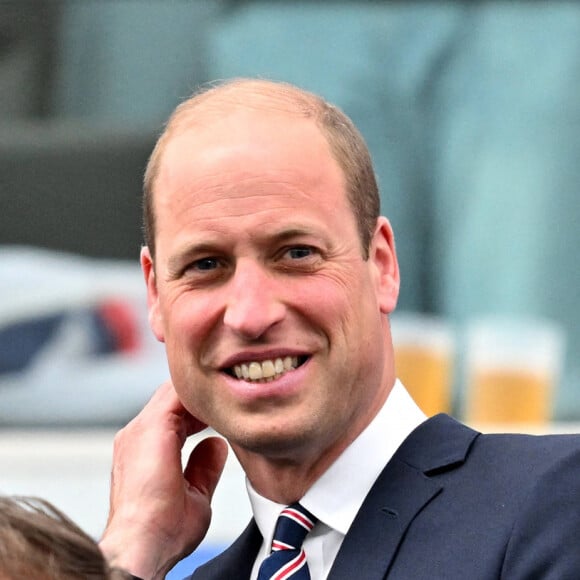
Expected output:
(158, 511)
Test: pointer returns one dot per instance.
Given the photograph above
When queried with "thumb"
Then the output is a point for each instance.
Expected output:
(205, 465)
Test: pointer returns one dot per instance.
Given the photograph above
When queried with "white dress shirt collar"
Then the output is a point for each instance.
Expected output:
(336, 497)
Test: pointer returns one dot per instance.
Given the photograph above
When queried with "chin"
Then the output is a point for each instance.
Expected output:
(275, 443)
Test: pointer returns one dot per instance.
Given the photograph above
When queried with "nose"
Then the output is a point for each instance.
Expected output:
(253, 304)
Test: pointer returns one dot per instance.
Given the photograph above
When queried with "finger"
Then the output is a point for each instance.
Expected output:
(205, 465)
(166, 405)
(192, 424)
(164, 399)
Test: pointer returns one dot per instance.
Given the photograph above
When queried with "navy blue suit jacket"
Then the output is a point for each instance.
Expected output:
(455, 504)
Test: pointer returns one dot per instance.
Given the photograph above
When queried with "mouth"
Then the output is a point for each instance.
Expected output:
(265, 371)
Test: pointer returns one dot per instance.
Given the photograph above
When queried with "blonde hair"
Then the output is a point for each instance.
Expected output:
(345, 141)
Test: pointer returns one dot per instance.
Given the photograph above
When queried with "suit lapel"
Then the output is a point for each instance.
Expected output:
(235, 562)
(398, 496)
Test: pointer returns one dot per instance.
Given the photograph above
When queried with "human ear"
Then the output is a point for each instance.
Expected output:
(383, 258)
(153, 308)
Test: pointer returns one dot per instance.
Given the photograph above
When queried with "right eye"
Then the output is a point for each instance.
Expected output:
(204, 264)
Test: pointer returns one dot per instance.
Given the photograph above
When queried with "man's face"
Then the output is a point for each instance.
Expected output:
(273, 322)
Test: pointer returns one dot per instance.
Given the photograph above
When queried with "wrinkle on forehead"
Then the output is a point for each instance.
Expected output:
(240, 191)
(235, 195)
(221, 213)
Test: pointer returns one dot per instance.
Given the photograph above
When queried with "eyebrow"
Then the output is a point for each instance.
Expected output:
(290, 233)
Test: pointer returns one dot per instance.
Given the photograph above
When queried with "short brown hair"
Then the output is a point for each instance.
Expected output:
(38, 541)
(345, 141)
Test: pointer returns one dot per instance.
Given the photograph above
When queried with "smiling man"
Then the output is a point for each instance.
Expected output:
(270, 278)
(258, 266)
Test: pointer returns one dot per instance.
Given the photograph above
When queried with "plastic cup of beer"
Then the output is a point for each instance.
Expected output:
(424, 355)
(513, 367)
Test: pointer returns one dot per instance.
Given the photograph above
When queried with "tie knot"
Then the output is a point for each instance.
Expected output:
(294, 522)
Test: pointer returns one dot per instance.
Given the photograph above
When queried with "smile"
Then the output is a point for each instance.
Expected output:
(266, 370)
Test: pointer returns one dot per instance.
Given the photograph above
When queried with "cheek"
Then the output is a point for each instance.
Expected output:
(195, 398)
(354, 322)
(323, 306)
(342, 305)
(188, 318)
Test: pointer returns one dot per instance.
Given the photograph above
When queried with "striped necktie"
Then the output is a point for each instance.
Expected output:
(287, 558)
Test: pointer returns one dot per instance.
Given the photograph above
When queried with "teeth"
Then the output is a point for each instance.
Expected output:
(255, 371)
(265, 370)
(268, 369)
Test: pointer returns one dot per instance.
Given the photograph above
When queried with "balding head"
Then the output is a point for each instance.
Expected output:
(344, 139)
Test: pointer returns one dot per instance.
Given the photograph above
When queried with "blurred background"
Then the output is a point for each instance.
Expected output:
(472, 115)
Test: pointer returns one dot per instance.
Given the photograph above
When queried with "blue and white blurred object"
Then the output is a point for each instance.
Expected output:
(75, 344)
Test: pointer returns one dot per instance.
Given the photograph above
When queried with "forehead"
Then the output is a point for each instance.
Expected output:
(244, 158)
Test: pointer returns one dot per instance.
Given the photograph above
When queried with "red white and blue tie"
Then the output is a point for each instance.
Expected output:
(287, 558)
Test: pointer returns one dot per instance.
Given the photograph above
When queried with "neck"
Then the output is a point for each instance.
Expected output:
(284, 480)
(285, 476)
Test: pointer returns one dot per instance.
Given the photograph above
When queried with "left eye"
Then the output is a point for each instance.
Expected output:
(300, 252)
